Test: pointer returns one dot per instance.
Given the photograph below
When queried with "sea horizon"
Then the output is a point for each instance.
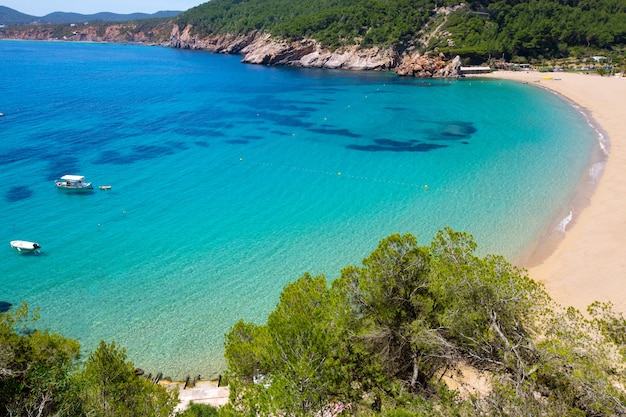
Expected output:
(229, 180)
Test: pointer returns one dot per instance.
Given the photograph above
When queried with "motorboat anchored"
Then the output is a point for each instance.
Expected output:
(73, 183)
(25, 246)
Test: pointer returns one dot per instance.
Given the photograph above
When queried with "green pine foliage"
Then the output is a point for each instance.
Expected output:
(199, 410)
(109, 387)
(532, 29)
(537, 28)
(332, 22)
(40, 375)
(35, 366)
(378, 341)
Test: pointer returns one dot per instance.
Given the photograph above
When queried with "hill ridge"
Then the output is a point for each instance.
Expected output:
(9, 16)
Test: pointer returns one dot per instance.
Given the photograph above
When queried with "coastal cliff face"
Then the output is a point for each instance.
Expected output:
(262, 49)
(255, 48)
(127, 32)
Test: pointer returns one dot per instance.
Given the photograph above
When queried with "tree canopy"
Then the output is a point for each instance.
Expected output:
(383, 339)
(380, 339)
(537, 28)
(35, 366)
(41, 375)
(532, 29)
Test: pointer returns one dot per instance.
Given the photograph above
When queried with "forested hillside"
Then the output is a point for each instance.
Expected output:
(543, 28)
(10, 16)
(533, 29)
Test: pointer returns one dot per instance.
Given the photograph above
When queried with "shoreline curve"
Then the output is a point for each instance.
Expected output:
(587, 263)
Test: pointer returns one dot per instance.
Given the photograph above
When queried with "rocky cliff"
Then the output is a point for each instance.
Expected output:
(123, 32)
(259, 48)
(255, 48)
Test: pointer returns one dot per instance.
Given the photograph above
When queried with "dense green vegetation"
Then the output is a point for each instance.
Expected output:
(332, 22)
(10, 16)
(539, 28)
(379, 339)
(531, 29)
(477, 30)
(200, 410)
(41, 375)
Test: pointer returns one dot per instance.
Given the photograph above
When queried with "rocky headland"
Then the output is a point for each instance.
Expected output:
(113, 32)
(255, 48)
(261, 48)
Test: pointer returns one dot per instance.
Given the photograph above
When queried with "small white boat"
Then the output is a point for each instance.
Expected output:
(25, 246)
(105, 187)
(73, 183)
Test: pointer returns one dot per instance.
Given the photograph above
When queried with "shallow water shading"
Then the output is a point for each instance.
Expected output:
(230, 180)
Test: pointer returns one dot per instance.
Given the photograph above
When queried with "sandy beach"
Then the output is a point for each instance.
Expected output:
(589, 264)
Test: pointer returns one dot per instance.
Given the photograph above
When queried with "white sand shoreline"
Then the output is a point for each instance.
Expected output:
(589, 263)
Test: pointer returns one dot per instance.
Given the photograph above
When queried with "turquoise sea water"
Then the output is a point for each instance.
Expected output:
(230, 180)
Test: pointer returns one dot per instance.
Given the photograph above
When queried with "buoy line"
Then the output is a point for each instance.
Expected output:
(338, 174)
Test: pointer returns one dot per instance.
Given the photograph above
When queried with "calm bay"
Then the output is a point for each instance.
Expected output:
(230, 180)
